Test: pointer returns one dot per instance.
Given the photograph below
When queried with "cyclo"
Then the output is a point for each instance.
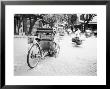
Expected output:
(44, 45)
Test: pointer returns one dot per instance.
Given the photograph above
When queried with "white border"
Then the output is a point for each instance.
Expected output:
(100, 79)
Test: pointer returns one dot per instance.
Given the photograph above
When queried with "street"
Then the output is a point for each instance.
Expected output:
(71, 61)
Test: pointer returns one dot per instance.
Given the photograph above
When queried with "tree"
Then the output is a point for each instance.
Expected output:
(87, 18)
(73, 18)
(17, 23)
(32, 19)
(49, 19)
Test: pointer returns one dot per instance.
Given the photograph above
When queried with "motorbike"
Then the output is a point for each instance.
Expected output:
(76, 41)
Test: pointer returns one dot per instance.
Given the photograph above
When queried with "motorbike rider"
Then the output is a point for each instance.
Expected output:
(77, 34)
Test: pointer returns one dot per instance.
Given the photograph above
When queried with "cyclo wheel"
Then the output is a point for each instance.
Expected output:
(34, 56)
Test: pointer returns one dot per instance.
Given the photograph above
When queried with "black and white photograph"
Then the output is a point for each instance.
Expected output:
(55, 44)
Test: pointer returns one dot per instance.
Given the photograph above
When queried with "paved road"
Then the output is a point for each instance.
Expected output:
(78, 61)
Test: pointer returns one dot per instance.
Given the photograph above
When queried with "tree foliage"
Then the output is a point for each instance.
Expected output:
(51, 19)
(87, 17)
